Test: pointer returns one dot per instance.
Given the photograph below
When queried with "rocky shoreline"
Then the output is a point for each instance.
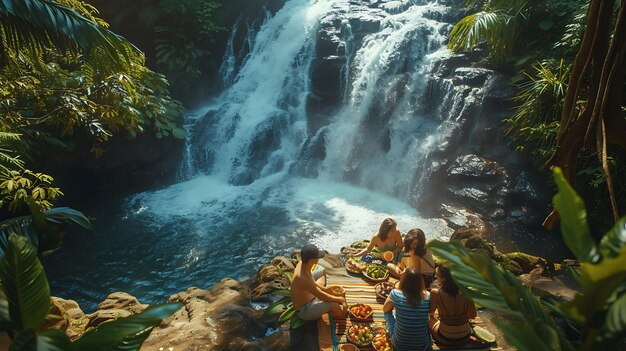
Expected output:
(231, 314)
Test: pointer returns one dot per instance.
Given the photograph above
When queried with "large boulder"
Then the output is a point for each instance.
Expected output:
(66, 315)
(220, 318)
(116, 305)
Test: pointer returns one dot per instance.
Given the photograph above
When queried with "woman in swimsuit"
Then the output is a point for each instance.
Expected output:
(410, 258)
(455, 311)
(387, 238)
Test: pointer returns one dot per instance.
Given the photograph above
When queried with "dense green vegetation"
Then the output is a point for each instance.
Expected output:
(594, 320)
(184, 39)
(67, 82)
(565, 58)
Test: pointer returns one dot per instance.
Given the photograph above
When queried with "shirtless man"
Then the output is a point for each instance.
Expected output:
(310, 298)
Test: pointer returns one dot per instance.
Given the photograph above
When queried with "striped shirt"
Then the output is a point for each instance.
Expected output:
(411, 327)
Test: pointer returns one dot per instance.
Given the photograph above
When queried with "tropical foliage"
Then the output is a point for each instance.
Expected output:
(178, 34)
(66, 80)
(512, 31)
(571, 106)
(595, 316)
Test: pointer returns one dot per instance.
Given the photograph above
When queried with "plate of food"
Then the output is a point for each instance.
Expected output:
(383, 289)
(376, 273)
(361, 311)
(355, 265)
(360, 334)
(381, 342)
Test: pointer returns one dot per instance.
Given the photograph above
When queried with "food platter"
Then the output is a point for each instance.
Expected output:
(360, 334)
(383, 289)
(381, 341)
(355, 265)
(376, 273)
(361, 311)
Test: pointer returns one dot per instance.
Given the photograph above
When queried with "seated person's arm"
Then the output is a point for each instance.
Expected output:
(322, 295)
(367, 249)
(434, 299)
(471, 309)
(388, 305)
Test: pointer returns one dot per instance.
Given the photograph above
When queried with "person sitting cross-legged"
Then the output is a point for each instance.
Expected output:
(406, 313)
(455, 311)
(311, 299)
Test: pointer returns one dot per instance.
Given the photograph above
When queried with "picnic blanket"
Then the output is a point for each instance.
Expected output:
(332, 332)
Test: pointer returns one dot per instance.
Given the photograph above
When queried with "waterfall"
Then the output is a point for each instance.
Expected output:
(335, 114)
(323, 128)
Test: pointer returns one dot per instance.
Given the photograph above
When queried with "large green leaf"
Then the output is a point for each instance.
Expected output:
(65, 214)
(616, 317)
(19, 225)
(125, 333)
(279, 306)
(24, 283)
(614, 240)
(523, 336)
(599, 282)
(574, 227)
(480, 279)
(53, 340)
(469, 280)
(287, 314)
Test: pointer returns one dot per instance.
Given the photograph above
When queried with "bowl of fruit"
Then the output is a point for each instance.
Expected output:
(361, 311)
(376, 273)
(355, 265)
(381, 342)
(383, 289)
(360, 335)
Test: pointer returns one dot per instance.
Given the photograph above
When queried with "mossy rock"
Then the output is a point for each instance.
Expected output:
(524, 263)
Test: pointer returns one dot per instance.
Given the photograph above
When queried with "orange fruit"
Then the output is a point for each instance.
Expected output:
(387, 256)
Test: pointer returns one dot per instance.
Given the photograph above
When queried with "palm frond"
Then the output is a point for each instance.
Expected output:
(472, 30)
(33, 22)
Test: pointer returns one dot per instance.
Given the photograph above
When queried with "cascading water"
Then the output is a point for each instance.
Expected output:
(331, 120)
(247, 151)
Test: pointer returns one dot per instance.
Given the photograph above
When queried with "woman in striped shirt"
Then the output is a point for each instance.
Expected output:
(406, 313)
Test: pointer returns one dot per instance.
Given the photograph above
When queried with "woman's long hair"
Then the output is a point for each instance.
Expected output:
(385, 227)
(449, 286)
(412, 286)
(408, 240)
(417, 234)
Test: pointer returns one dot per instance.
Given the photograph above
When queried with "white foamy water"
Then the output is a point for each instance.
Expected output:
(329, 214)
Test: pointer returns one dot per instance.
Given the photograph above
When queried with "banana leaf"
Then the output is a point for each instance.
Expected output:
(279, 306)
(24, 283)
(287, 314)
(18, 225)
(574, 226)
(614, 240)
